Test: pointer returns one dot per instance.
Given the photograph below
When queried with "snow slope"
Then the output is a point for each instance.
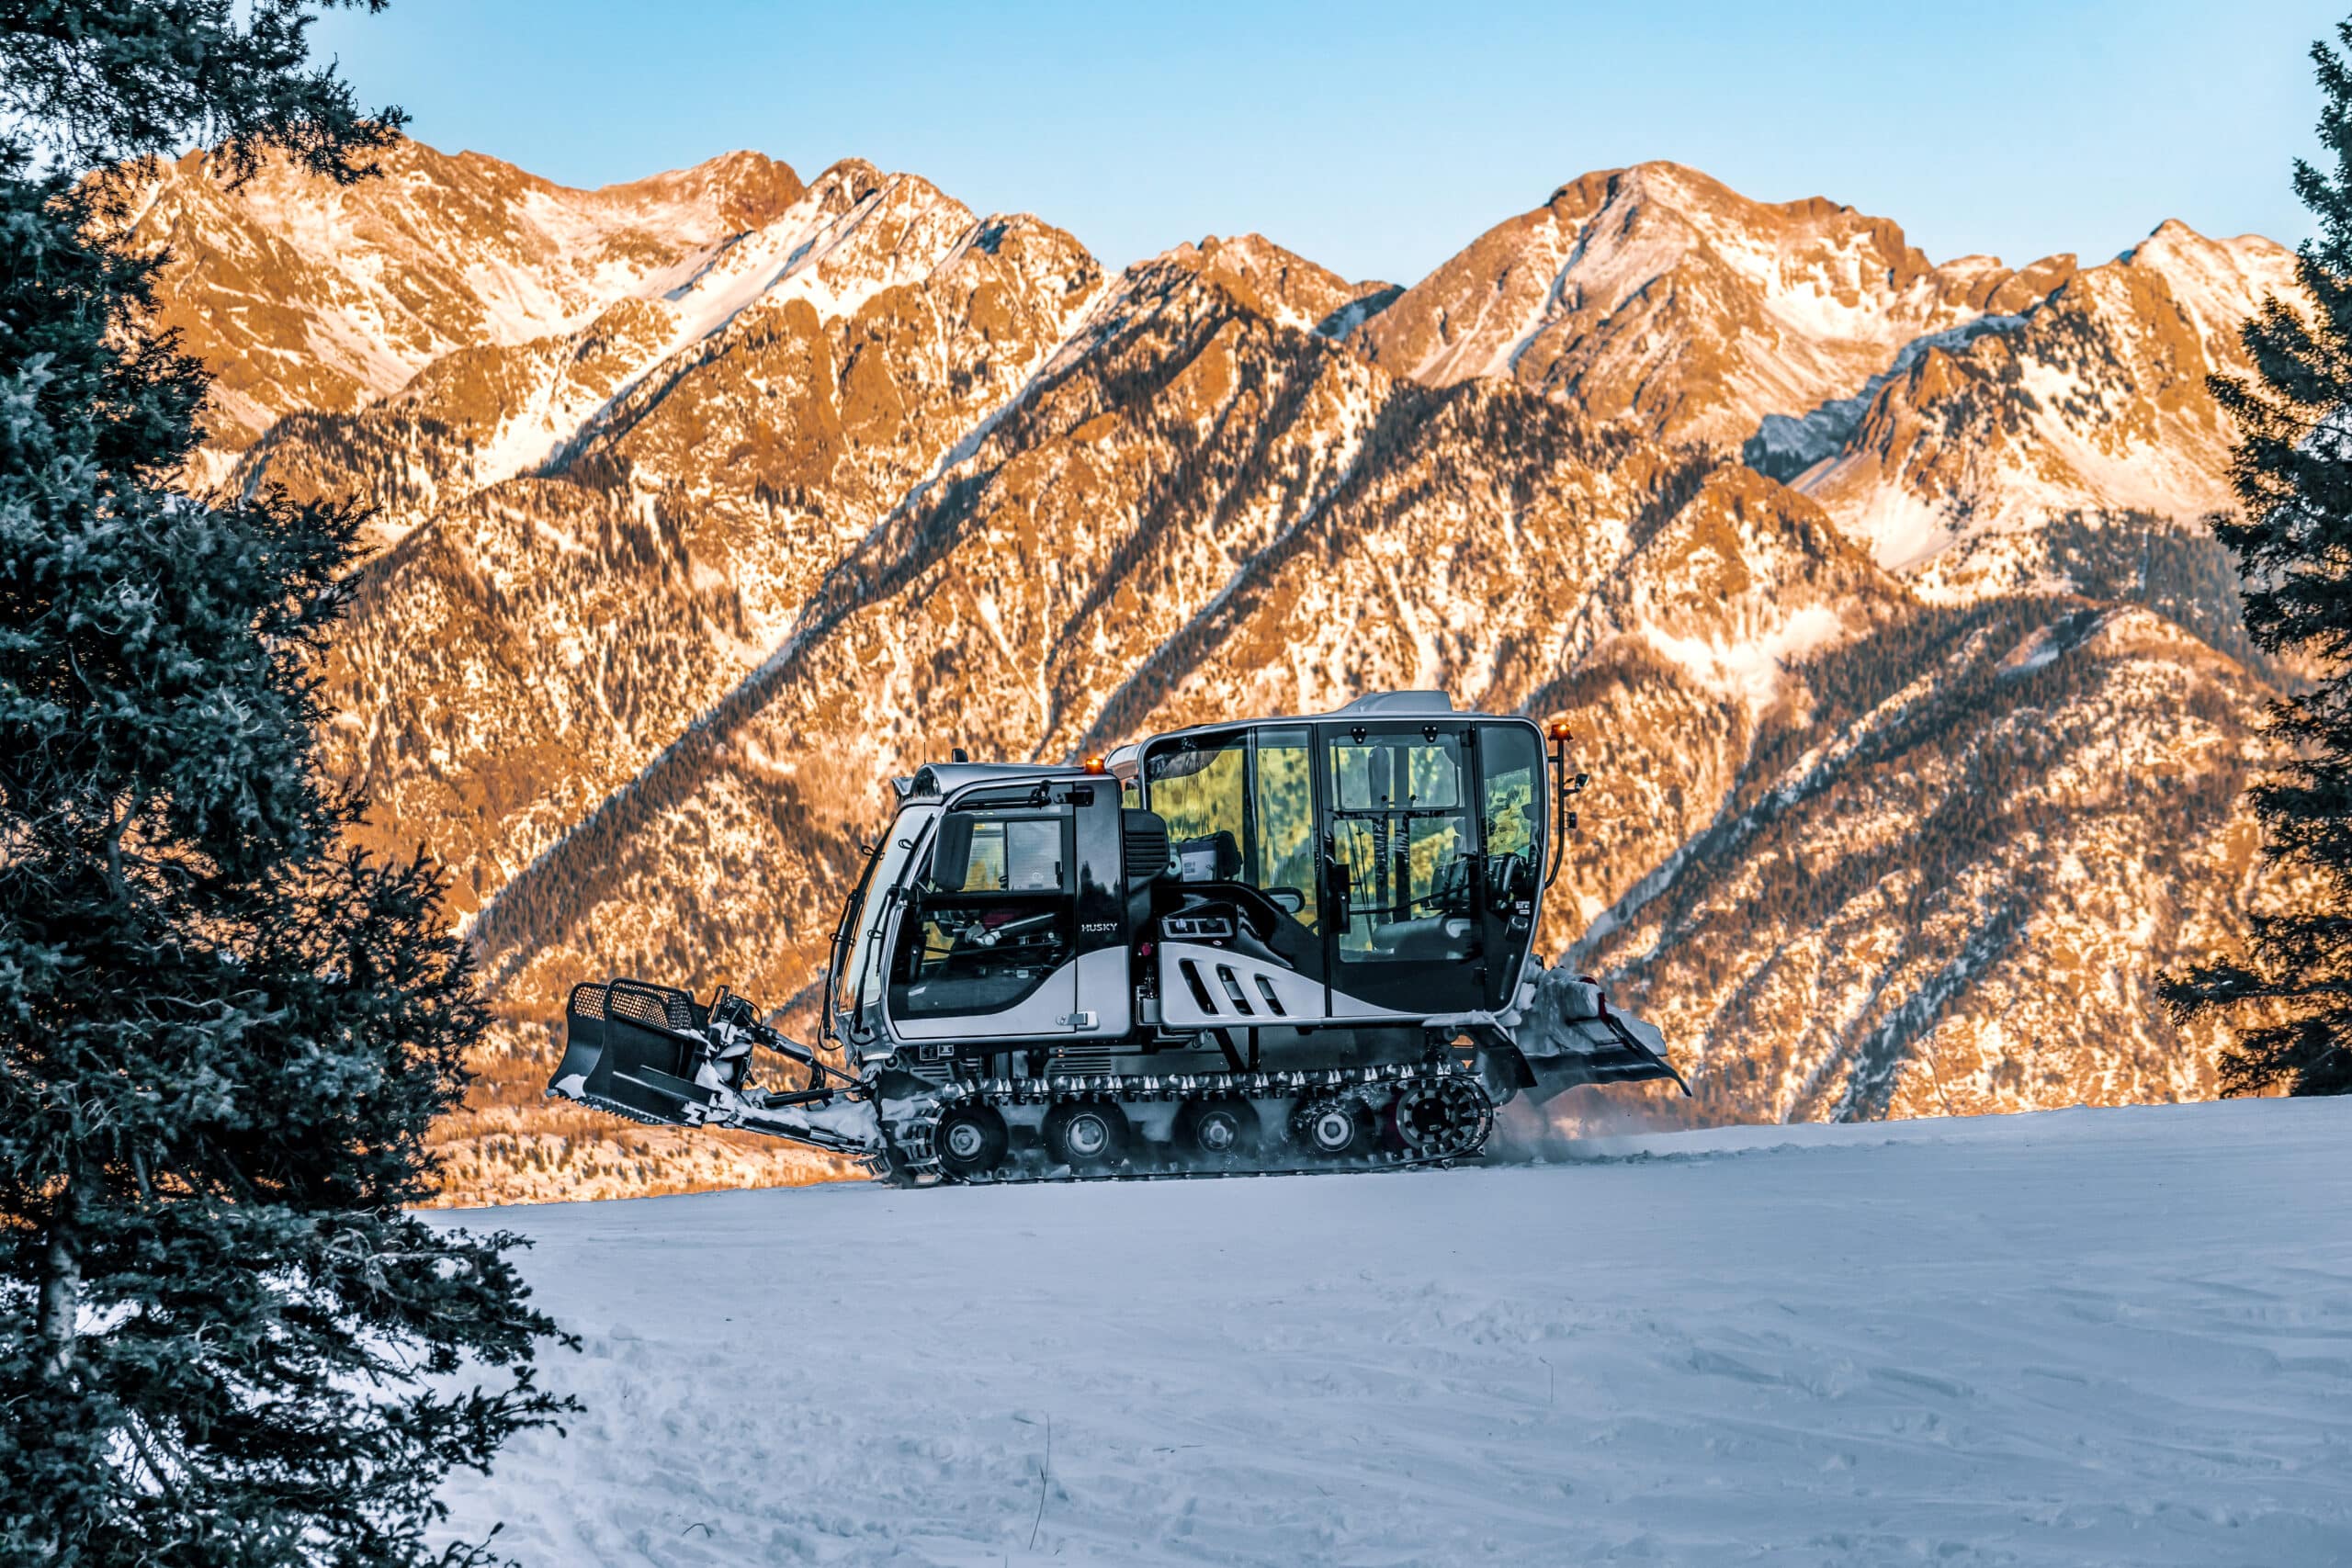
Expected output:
(2085, 1337)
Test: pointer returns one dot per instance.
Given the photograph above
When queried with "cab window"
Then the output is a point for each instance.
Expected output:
(1199, 787)
(992, 913)
(1404, 837)
(1286, 858)
(1511, 814)
(1238, 811)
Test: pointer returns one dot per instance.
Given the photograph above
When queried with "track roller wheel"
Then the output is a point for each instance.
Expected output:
(970, 1140)
(1085, 1134)
(1333, 1128)
(1216, 1129)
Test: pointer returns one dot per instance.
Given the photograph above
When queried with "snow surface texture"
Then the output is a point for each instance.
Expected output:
(2082, 1336)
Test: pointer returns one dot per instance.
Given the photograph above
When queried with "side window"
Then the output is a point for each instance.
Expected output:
(1236, 815)
(1288, 856)
(992, 915)
(865, 963)
(1198, 789)
(1509, 812)
(980, 853)
(1401, 826)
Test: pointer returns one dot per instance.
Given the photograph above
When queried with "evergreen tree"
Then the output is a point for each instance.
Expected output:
(2293, 476)
(225, 1338)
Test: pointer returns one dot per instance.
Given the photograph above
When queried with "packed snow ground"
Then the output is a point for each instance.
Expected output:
(2085, 1336)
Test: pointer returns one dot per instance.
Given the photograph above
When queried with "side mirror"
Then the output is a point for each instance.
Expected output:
(951, 863)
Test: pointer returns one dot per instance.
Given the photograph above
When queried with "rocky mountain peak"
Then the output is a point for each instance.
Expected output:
(1287, 287)
(309, 298)
(2092, 399)
(1657, 296)
(743, 188)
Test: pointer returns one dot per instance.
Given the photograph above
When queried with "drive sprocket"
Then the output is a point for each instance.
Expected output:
(1444, 1118)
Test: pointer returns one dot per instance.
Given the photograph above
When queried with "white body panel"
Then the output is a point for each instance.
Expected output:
(1089, 995)
(1271, 994)
(1344, 1006)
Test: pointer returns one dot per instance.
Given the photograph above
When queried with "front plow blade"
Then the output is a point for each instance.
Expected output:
(1599, 1050)
(1570, 1036)
(1564, 1037)
(650, 1054)
(632, 1048)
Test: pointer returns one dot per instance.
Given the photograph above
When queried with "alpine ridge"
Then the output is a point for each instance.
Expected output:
(1915, 695)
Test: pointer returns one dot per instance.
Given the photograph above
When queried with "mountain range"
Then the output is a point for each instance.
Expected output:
(1876, 589)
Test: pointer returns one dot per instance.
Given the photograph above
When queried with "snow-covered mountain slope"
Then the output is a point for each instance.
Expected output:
(1667, 671)
(1658, 295)
(2095, 399)
(2176, 568)
(1954, 864)
(2083, 1337)
(300, 295)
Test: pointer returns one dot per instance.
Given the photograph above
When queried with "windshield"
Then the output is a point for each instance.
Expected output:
(860, 1008)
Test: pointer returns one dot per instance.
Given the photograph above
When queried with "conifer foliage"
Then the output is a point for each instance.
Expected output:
(224, 1336)
(2293, 476)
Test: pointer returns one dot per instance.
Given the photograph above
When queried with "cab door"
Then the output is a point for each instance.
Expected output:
(986, 944)
(1404, 932)
(1513, 795)
(1243, 946)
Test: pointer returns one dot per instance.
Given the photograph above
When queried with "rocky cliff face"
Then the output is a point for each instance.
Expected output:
(2095, 399)
(714, 501)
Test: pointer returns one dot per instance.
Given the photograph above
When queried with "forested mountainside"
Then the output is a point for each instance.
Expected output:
(531, 644)
(1915, 699)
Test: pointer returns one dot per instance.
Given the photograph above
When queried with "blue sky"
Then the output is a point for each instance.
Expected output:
(1378, 138)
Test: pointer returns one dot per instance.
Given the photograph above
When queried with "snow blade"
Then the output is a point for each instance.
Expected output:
(1566, 1035)
(1608, 1052)
(628, 1049)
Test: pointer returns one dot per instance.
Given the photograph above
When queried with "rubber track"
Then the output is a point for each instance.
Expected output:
(927, 1170)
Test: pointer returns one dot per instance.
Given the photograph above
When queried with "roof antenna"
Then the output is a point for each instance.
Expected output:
(959, 755)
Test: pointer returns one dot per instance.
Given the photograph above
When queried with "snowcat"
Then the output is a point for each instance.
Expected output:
(1283, 945)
